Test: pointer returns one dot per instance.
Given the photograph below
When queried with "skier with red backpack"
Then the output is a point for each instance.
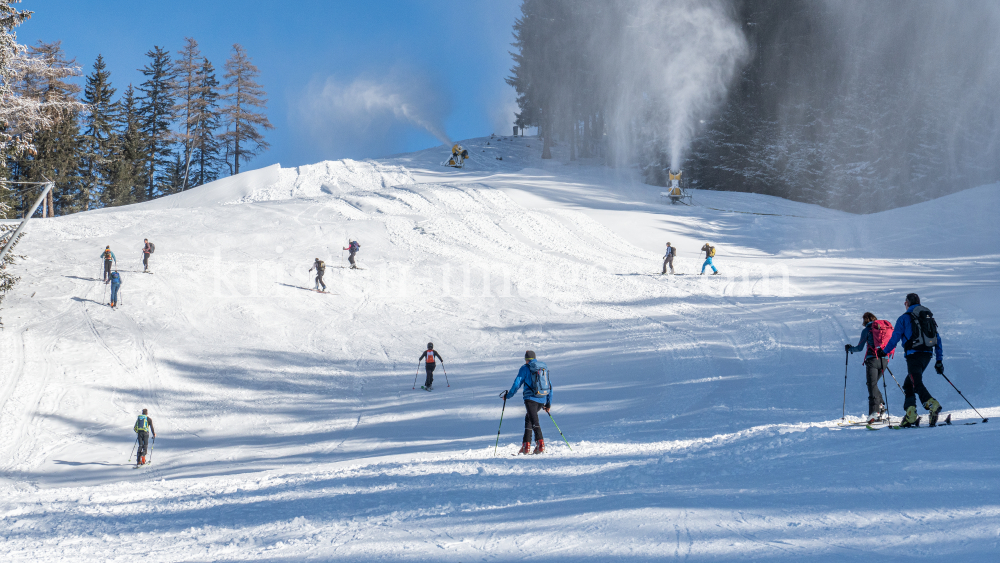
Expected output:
(534, 376)
(874, 337)
(918, 332)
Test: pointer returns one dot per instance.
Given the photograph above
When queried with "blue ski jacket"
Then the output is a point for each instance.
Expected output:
(524, 378)
(865, 342)
(116, 280)
(902, 331)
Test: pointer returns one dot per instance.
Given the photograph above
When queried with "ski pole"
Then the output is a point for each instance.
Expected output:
(885, 394)
(560, 431)
(847, 356)
(151, 444)
(133, 447)
(894, 379)
(445, 374)
(415, 376)
(985, 420)
(501, 424)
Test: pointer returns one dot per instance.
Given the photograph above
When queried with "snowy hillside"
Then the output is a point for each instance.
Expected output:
(702, 411)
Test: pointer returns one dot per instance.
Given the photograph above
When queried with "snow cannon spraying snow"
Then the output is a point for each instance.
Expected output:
(676, 192)
(458, 156)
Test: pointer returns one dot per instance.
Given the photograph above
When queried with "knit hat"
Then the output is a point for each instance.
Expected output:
(529, 355)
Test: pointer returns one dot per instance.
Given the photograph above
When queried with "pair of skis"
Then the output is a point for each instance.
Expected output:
(946, 422)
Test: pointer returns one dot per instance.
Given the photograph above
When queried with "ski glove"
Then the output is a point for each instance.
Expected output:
(939, 367)
(847, 347)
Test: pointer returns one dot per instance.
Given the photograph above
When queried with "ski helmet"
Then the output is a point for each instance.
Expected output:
(430, 345)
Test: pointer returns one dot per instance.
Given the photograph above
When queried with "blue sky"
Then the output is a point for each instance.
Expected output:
(321, 62)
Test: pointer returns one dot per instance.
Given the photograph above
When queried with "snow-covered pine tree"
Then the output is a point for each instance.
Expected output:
(99, 135)
(156, 107)
(205, 167)
(243, 138)
(58, 147)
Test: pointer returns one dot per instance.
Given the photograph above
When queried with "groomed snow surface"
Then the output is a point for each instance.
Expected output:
(702, 411)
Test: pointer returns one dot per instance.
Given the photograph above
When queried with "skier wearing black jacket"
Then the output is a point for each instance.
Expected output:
(320, 268)
(430, 355)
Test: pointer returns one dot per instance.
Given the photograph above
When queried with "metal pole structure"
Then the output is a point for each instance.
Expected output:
(847, 356)
(13, 237)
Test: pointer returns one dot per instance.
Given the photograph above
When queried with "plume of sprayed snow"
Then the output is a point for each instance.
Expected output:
(371, 107)
(684, 54)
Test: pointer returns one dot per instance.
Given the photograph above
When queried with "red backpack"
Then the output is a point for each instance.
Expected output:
(881, 332)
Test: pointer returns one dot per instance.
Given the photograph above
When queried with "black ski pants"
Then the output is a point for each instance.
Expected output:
(145, 260)
(875, 368)
(351, 259)
(143, 444)
(430, 374)
(107, 270)
(319, 280)
(531, 421)
(916, 363)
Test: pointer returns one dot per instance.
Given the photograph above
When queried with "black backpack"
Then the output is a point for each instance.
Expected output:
(152, 248)
(923, 330)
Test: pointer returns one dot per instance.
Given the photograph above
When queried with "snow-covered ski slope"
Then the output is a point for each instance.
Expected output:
(702, 411)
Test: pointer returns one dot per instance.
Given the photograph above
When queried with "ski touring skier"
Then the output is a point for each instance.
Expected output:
(874, 336)
(668, 259)
(918, 332)
(143, 427)
(709, 251)
(108, 257)
(432, 357)
(320, 267)
(116, 284)
(354, 246)
(147, 249)
(537, 394)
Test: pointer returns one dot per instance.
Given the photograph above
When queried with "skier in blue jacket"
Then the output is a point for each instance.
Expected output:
(116, 284)
(532, 402)
(918, 345)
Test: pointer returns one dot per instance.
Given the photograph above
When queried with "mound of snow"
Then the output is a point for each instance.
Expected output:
(332, 177)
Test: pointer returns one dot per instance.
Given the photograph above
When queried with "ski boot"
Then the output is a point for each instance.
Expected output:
(142, 460)
(716, 274)
(540, 448)
(935, 408)
(525, 448)
(910, 419)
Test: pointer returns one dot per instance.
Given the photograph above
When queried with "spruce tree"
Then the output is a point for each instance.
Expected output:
(156, 110)
(99, 130)
(205, 165)
(126, 169)
(243, 138)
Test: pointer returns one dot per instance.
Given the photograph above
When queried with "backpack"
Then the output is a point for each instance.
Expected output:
(881, 331)
(671, 251)
(320, 266)
(540, 385)
(107, 255)
(141, 424)
(711, 252)
(355, 246)
(152, 248)
(923, 330)
(115, 278)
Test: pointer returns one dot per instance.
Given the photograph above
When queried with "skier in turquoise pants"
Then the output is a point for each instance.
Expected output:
(709, 251)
